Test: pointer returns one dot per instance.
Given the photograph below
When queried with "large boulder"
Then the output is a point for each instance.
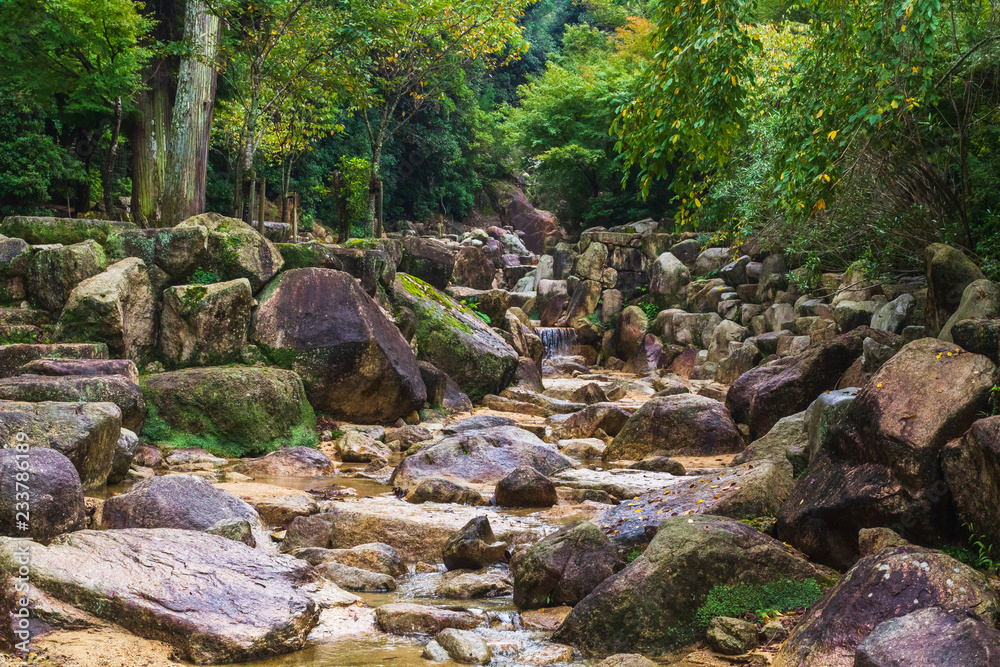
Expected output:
(668, 280)
(288, 462)
(237, 250)
(456, 340)
(229, 410)
(214, 600)
(474, 547)
(552, 301)
(14, 356)
(55, 496)
(651, 605)
(762, 396)
(564, 567)
(525, 487)
(949, 272)
(481, 457)
(980, 300)
(175, 252)
(116, 307)
(205, 325)
(85, 433)
(472, 269)
(54, 271)
(972, 470)
(886, 585)
(117, 389)
(404, 618)
(535, 226)
(354, 362)
(40, 230)
(881, 465)
(444, 491)
(931, 637)
(125, 449)
(57, 367)
(428, 260)
(184, 502)
(684, 424)
(607, 417)
(630, 332)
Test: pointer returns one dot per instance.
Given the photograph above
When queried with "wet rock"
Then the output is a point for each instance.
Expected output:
(928, 638)
(401, 618)
(205, 325)
(682, 424)
(116, 389)
(525, 487)
(214, 600)
(483, 457)
(650, 605)
(474, 547)
(355, 579)
(346, 352)
(564, 567)
(85, 433)
(606, 417)
(949, 272)
(124, 453)
(465, 647)
(116, 307)
(357, 448)
(878, 588)
(180, 501)
(288, 462)
(456, 340)
(731, 636)
(237, 250)
(54, 271)
(463, 585)
(444, 491)
(55, 500)
(374, 557)
(228, 410)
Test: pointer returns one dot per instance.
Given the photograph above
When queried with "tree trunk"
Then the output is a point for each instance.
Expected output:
(376, 173)
(148, 138)
(108, 170)
(261, 204)
(187, 158)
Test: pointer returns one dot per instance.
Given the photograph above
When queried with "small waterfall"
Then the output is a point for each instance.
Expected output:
(557, 340)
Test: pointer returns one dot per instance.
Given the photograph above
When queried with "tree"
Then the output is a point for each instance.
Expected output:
(418, 50)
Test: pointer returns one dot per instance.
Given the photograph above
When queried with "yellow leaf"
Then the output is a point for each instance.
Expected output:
(895, 104)
(832, 135)
(820, 114)
(733, 79)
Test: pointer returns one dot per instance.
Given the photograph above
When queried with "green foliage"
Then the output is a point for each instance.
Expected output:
(650, 309)
(354, 171)
(976, 553)
(632, 555)
(735, 601)
(764, 524)
(203, 277)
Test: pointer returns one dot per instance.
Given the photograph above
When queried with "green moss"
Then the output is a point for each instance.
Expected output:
(300, 255)
(44, 231)
(735, 601)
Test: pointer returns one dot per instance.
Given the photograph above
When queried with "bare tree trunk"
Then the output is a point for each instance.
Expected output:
(108, 169)
(373, 189)
(187, 159)
(261, 204)
(148, 138)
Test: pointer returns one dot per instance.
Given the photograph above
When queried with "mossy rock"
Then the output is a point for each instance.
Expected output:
(456, 340)
(230, 411)
(46, 230)
(237, 250)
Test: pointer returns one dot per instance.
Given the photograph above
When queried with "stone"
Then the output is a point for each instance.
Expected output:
(428, 260)
(14, 356)
(212, 599)
(125, 448)
(444, 491)
(176, 251)
(684, 424)
(355, 579)
(230, 410)
(788, 441)
(456, 340)
(660, 464)
(443, 393)
(893, 315)
(871, 541)
(551, 302)
(205, 325)
(735, 272)
(464, 585)
(525, 487)
(116, 307)
(762, 396)
(237, 250)
(978, 336)
(472, 269)
(85, 433)
(183, 502)
(686, 251)
(474, 547)
(117, 389)
(980, 300)
(710, 261)
(888, 585)
(650, 606)
(53, 272)
(346, 352)
(607, 417)
(39, 230)
(147, 456)
(564, 567)
(56, 367)
(949, 272)
(591, 262)
(725, 333)
(403, 618)
(694, 329)
(481, 457)
(465, 647)
(55, 501)
(627, 660)
(930, 637)
(880, 466)
(630, 332)
(731, 636)
(288, 462)
(668, 280)
(358, 448)
(828, 409)
(374, 557)
(971, 468)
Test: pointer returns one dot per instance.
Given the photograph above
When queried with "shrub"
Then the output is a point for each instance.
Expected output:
(735, 601)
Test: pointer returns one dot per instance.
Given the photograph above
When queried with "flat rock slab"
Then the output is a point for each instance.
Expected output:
(213, 599)
(620, 483)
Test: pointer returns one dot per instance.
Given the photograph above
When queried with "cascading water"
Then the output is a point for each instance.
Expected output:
(557, 340)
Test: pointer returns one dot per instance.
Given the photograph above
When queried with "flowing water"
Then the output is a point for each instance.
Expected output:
(557, 340)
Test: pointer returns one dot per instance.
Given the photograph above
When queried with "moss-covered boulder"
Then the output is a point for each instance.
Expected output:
(53, 272)
(14, 256)
(45, 230)
(456, 340)
(205, 325)
(117, 389)
(354, 362)
(116, 307)
(171, 253)
(949, 272)
(429, 259)
(230, 411)
(653, 604)
(237, 250)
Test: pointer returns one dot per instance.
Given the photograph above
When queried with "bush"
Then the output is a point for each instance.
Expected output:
(735, 601)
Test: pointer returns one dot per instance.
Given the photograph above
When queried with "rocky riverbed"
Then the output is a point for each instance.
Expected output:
(456, 450)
